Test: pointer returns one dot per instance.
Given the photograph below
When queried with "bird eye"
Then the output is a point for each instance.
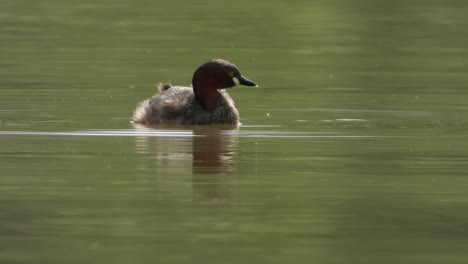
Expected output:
(231, 73)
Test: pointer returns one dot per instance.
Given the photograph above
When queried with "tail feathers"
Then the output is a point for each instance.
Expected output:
(142, 113)
(163, 86)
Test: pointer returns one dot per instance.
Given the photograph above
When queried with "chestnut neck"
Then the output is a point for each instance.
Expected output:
(206, 82)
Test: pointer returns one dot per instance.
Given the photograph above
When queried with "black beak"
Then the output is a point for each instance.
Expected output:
(246, 82)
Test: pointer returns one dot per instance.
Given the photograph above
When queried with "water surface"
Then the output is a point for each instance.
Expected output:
(352, 150)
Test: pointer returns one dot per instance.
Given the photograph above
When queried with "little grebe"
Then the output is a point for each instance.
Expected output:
(207, 103)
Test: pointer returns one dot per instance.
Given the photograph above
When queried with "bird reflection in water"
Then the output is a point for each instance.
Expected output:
(190, 160)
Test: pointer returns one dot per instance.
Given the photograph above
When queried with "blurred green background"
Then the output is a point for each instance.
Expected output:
(352, 150)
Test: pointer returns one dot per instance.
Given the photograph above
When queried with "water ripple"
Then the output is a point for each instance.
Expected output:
(189, 134)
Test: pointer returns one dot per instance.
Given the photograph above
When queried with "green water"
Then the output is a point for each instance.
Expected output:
(354, 148)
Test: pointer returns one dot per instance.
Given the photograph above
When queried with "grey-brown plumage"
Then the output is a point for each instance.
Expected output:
(206, 103)
(178, 105)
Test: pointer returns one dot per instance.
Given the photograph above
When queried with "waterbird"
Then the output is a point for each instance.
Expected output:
(205, 103)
